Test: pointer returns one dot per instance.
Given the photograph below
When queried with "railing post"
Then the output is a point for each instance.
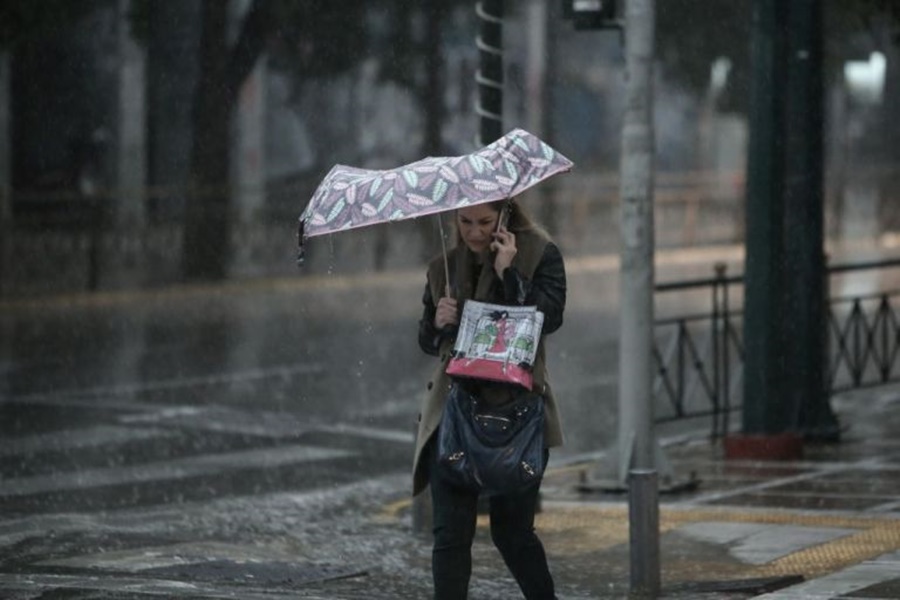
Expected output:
(720, 351)
(680, 381)
(859, 356)
(882, 320)
(827, 372)
(726, 336)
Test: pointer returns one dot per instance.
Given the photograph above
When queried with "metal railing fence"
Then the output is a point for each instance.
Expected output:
(699, 357)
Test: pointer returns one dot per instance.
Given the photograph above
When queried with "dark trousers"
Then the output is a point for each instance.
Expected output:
(512, 531)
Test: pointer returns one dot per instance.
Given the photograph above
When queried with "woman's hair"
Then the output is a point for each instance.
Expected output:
(518, 218)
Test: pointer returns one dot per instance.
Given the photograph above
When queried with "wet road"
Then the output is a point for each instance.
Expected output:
(141, 432)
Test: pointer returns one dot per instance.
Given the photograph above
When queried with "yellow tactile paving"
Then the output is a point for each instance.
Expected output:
(594, 528)
(575, 529)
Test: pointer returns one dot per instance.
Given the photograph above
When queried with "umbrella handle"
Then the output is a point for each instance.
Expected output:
(447, 291)
(503, 217)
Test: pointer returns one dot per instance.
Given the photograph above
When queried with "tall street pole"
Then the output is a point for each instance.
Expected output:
(490, 71)
(636, 444)
(6, 214)
(764, 397)
(785, 328)
(806, 280)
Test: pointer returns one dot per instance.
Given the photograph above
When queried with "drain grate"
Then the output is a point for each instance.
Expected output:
(257, 573)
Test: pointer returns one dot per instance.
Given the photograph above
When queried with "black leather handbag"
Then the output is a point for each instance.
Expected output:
(491, 449)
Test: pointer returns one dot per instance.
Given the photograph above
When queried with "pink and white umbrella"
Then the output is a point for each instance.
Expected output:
(349, 197)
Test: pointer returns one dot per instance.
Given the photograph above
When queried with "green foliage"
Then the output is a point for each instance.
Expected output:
(22, 21)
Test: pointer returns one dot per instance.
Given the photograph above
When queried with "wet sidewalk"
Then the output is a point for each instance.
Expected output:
(826, 526)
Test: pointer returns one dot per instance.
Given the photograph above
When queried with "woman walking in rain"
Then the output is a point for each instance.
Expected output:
(515, 265)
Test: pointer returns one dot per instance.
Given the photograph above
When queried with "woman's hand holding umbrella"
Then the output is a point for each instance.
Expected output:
(447, 313)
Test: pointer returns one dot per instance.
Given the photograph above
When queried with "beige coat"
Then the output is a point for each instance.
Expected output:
(530, 245)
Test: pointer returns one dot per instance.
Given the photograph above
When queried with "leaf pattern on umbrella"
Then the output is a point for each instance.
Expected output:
(351, 197)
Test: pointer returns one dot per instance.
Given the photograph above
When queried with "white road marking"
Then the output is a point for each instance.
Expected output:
(174, 383)
(222, 419)
(388, 435)
(73, 439)
(135, 560)
(179, 468)
(162, 588)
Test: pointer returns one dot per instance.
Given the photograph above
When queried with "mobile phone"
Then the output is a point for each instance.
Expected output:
(504, 216)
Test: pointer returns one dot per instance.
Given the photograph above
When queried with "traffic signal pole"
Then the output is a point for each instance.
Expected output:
(785, 395)
(764, 280)
(806, 281)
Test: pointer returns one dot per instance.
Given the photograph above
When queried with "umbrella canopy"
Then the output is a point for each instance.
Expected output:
(350, 197)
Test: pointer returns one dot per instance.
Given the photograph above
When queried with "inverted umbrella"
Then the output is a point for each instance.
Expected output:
(349, 197)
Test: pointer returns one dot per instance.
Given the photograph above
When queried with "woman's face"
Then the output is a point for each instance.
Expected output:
(476, 226)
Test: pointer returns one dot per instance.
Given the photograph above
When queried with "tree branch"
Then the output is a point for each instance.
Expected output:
(256, 27)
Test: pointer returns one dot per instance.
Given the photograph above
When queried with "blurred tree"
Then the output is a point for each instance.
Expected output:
(879, 22)
(863, 13)
(308, 38)
(693, 35)
(413, 57)
(311, 38)
(412, 47)
(26, 20)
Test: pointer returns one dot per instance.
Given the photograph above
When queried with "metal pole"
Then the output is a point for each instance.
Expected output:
(637, 446)
(635, 441)
(643, 532)
(490, 71)
(717, 328)
(6, 214)
(726, 359)
(804, 225)
(764, 403)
